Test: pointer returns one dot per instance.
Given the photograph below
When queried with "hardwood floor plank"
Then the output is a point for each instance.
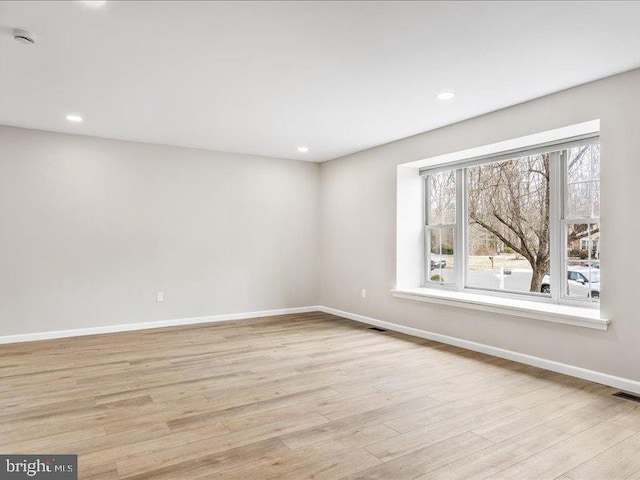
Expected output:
(277, 465)
(426, 459)
(195, 450)
(508, 427)
(338, 467)
(194, 467)
(590, 415)
(617, 463)
(629, 419)
(499, 457)
(157, 443)
(568, 454)
(413, 440)
(218, 413)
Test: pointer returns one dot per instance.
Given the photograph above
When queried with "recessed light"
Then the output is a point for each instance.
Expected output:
(95, 3)
(303, 149)
(73, 118)
(446, 95)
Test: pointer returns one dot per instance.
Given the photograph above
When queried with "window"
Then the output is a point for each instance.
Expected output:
(522, 223)
(440, 192)
(581, 222)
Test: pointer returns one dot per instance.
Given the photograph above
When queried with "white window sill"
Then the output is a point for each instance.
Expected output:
(550, 312)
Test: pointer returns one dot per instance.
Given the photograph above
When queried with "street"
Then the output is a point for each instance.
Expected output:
(519, 280)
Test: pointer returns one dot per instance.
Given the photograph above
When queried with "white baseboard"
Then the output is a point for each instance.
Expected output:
(625, 384)
(30, 337)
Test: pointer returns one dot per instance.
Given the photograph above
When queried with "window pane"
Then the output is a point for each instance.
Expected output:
(583, 261)
(595, 199)
(583, 182)
(440, 258)
(509, 224)
(583, 163)
(442, 203)
(579, 200)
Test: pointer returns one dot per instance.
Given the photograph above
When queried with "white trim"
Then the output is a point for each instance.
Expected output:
(560, 144)
(558, 134)
(126, 327)
(549, 312)
(625, 384)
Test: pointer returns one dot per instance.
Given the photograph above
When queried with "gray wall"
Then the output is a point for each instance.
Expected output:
(358, 218)
(92, 228)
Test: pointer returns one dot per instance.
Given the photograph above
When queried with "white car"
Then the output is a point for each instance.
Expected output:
(437, 262)
(578, 282)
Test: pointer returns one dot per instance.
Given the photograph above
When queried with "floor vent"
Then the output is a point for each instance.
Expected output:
(627, 396)
(378, 329)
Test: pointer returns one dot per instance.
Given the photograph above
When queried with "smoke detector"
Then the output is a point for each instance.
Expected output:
(23, 36)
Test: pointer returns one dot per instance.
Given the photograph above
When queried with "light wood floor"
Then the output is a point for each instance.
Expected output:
(306, 396)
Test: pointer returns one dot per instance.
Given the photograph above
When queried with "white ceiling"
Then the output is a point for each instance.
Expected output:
(266, 77)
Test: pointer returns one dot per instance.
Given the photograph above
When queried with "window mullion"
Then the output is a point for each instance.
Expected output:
(426, 199)
(557, 180)
(426, 241)
(460, 253)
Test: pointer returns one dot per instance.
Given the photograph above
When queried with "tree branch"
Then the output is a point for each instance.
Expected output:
(502, 238)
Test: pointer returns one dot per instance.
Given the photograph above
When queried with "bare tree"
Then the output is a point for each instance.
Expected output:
(442, 203)
(511, 200)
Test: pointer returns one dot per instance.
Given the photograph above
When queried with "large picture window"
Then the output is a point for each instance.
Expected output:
(523, 223)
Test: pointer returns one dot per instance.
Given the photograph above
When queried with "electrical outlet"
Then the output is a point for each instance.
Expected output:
(364, 293)
(160, 297)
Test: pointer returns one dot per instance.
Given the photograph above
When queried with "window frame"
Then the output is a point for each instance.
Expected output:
(558, 181)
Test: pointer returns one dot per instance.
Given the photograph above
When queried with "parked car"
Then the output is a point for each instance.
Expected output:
(437, 262)
(578, 282)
